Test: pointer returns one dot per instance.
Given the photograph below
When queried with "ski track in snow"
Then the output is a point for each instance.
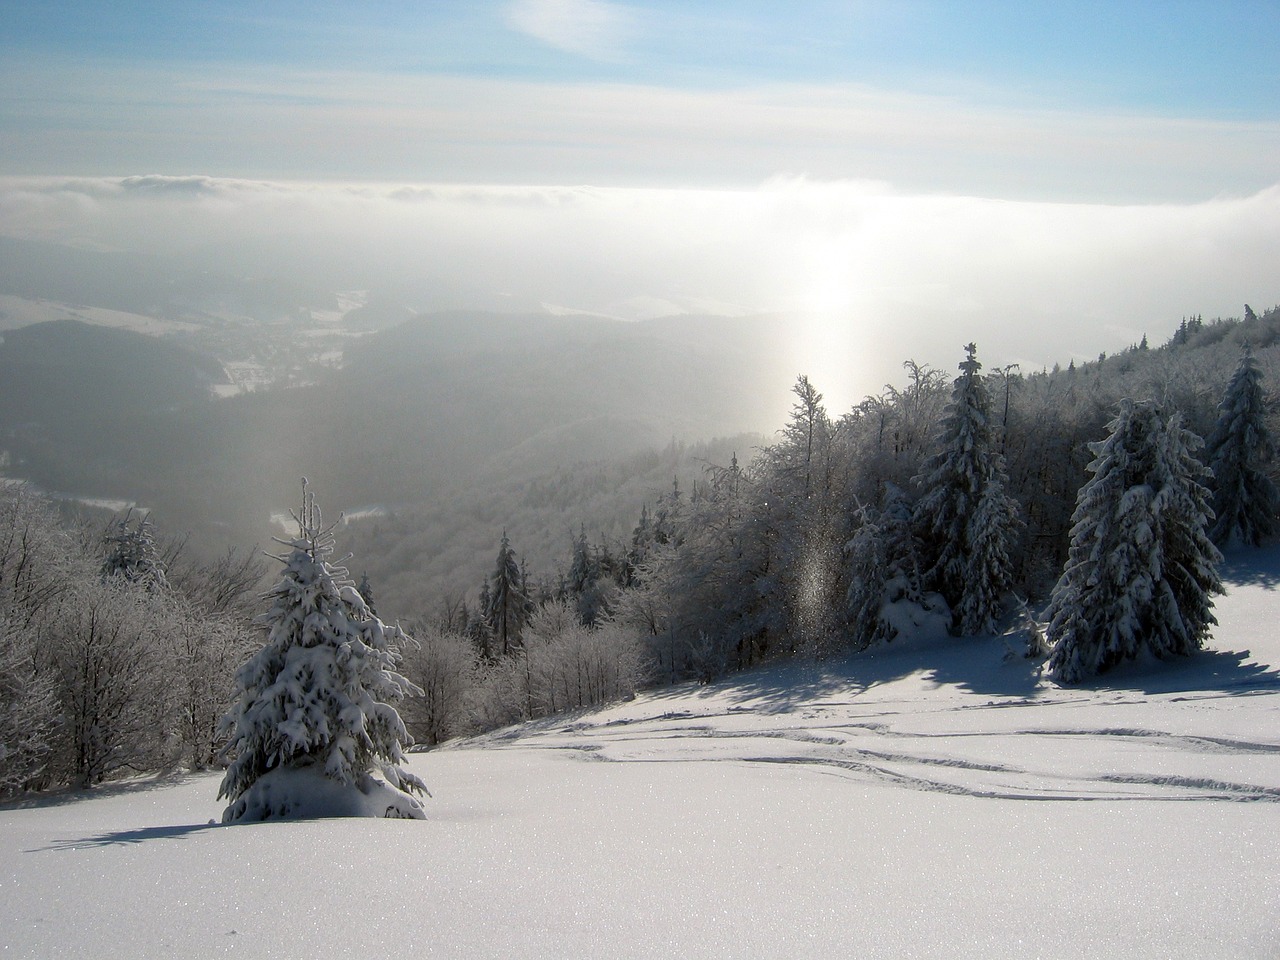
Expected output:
(937, 744)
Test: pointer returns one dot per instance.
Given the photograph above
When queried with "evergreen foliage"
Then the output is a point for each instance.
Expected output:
(965, 518)
(318, 697)
(1245, 500)
(365, 589)
(507, 603)
(1141, 570)
(868, 572)
(132, 553)
(595, 576)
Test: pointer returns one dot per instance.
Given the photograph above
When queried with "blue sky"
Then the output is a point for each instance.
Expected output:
(1109, 101)
(1048, 179)
(1208, 58)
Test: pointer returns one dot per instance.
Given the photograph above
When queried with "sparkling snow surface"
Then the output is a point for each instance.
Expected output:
(862, 808)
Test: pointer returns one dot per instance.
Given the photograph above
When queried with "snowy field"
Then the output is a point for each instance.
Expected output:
(862, 808)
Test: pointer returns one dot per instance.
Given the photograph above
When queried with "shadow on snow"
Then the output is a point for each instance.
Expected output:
(130, 837)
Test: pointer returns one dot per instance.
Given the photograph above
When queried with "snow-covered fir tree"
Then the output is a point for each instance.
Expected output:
(478, 627)
(1245, 500)
(365, 589)
(1141, 570)
(884, 598)
(868, 576)
(965, 517)
(990, 569)
(315, 715)
(588, 585)
(132, 553)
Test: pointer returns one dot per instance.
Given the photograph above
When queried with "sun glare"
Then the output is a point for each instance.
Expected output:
(829, 309)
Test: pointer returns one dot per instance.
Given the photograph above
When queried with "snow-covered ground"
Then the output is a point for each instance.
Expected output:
(871, 807)
(21, 312)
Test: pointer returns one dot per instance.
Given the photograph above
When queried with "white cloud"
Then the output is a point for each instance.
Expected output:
(591, 28)
(882, 276)
(290, 124)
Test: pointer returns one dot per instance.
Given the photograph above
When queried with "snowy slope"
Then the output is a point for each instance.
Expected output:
(868, 808)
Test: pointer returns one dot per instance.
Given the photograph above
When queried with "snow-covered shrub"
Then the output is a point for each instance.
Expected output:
(105, 641)
(444, 666)
(567, 665)
(203, 655)
(28, 713)
(318, 699)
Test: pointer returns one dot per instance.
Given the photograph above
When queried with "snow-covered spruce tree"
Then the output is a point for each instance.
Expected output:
(132, 553)
(884, 598)
(868, 575)
(1141, 571)
(315, 715)
(965, 518)
(1245, 501)
(365, 589)
(589, 584)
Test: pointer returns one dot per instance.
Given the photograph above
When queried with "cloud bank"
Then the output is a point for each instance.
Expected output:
(878, 275)
(286, 123)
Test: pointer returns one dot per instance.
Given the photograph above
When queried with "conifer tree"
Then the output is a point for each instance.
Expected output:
(641, 544)
(1245, 500)
(315, 715)
(1140, 573)
(588, 586)
(506, 603)
(132, 553)
(965, 518)
(479, 629)
(868, 576)
(902, 550)
(365, 589)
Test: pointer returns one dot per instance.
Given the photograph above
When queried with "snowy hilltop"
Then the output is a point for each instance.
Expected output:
(925, 798)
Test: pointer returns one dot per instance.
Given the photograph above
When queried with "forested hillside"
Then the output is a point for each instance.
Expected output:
(441, 415)
(1043, 421)
(937, 505)
(940, 505)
